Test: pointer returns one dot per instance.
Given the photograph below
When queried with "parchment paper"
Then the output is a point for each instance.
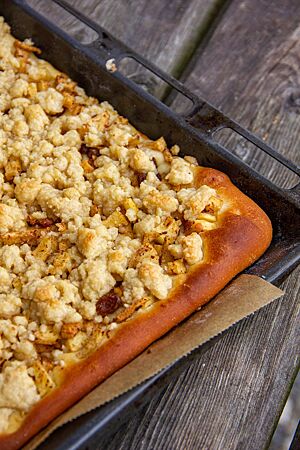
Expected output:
(242, 297)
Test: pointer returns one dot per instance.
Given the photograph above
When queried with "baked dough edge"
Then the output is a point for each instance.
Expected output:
(244, 233)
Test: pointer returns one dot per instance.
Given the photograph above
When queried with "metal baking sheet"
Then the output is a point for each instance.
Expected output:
(86, 64)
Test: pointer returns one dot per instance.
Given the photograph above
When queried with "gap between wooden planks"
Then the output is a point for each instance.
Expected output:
(165, 32)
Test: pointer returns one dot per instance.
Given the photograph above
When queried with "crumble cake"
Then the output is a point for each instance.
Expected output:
(107, 239)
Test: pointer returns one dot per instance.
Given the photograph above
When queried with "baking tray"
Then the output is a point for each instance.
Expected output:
(86, 63)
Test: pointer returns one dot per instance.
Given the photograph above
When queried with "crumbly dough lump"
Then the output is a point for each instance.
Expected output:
(97, 222)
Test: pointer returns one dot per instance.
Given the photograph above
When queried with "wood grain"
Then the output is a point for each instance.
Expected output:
(167, 33)
(232, 396)
(250, 70)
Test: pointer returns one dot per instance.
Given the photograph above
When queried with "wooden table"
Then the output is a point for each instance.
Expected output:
(244, 57)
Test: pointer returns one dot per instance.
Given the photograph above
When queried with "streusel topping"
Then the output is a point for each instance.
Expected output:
(97, 221)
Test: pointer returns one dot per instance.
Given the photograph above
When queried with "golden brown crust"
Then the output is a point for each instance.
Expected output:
(243, 235)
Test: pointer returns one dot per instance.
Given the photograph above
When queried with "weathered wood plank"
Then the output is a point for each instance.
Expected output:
(232, 396)
(167, 33)
(250, 70)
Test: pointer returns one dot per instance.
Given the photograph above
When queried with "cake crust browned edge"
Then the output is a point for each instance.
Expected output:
(244, 233)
